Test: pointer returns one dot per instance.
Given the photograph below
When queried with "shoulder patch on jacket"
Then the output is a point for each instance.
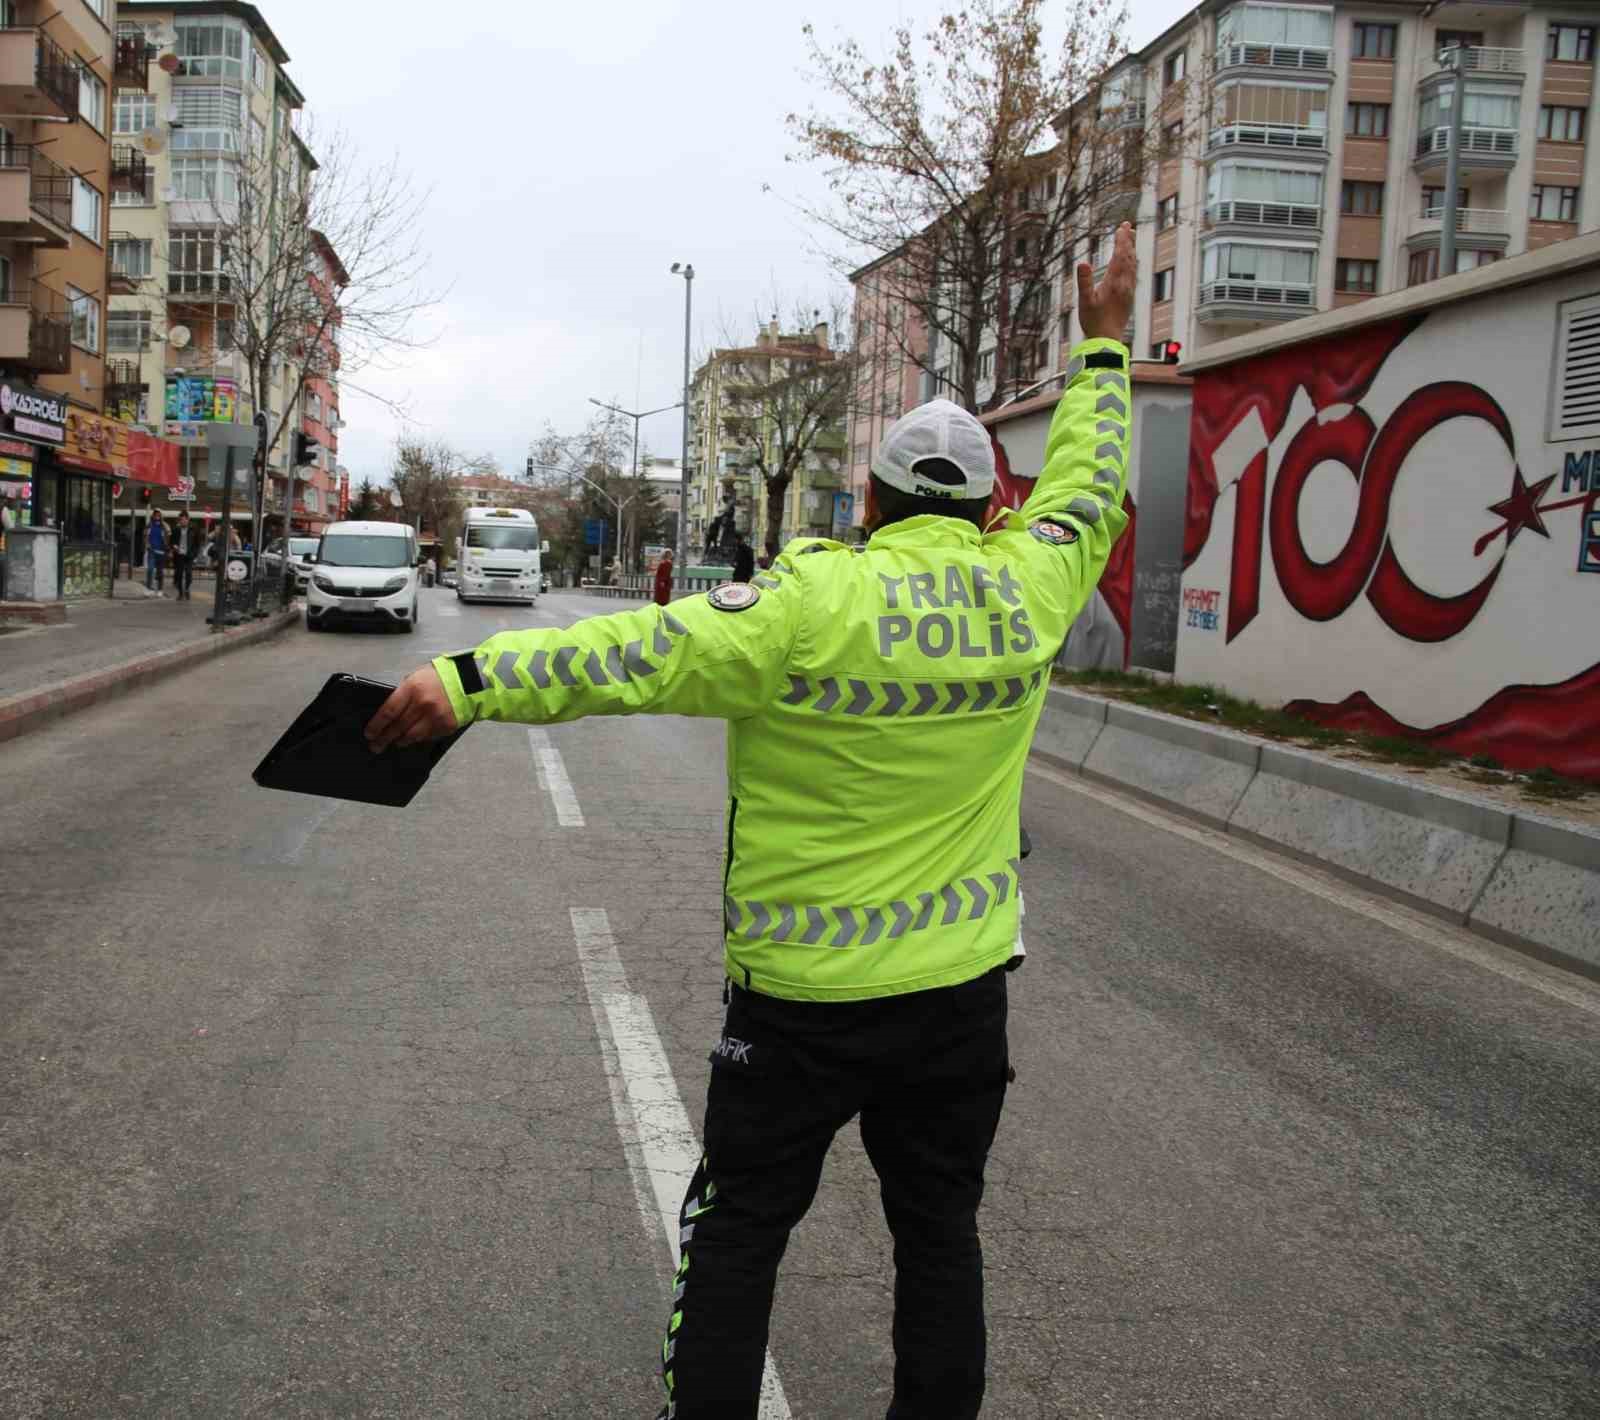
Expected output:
(733, 596)
(1054, 533)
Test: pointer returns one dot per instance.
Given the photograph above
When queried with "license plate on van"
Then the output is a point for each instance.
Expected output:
(347, 604)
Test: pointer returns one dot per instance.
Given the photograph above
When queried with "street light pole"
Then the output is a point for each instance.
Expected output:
(686, 271)
(629, 414)
(1456, 56)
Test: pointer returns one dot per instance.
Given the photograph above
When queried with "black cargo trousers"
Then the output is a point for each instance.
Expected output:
(927, 1074)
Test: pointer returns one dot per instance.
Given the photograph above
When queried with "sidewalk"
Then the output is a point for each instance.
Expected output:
(109, 645)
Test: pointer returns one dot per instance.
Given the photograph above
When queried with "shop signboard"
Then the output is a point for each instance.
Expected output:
(33, 413)
(194, 400)
(107, 446)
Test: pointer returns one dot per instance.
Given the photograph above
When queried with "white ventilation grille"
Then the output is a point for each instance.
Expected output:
(1576, 410)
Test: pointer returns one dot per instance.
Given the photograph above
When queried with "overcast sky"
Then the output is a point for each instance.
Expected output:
(575, 151)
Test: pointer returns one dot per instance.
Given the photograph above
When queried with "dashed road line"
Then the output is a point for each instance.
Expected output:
(553, 778)
(657, 1138)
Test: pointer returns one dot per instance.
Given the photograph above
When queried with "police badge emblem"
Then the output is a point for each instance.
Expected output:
(1053, 533)
(733, 596)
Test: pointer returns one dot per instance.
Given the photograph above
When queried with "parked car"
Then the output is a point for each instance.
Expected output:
(448, 577)
(365, 573)
(302, 553)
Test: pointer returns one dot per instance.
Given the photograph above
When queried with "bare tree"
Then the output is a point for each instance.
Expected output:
(965, 170)
(424, 474)
(592, 468)
(783, 400)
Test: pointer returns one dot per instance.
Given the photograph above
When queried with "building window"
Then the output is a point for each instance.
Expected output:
(1574, 42)
(198, 262)
(1255, 183)
(1359, 276)
(98, 7)
(1173, 68)
(1433, 200)
(130, 256)
(1291, 267)
(133, 112)
(205, 180)
(1066, 329)
(127, 331)
(1565, 125)
(1361, 199)
(85, 320)
(1456, 39)
(986, 365)
(1167, 213)
(91, 98)
(1367, 121)
(1292, 25)
(1372, 41)
(258, 68)
(1425, 264)
(86, 205)
(210, 49)
(1161, 289)
(1050, 187)
(313, 406)
(1553, 204)
(1172, 139)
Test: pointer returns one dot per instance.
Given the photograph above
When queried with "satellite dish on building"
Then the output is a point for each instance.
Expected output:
(179, 336)
(153, 141)
(169, 62)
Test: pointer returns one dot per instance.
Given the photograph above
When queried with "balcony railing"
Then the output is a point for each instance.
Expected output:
(1483, 142)
(1478, 60)
(54, 75)
(35, 328)
(1258, 293)
(1269, 135)
(49, 184)
(1123, 115)
(1265, 214)
(1480, 221)
(122, 380)
(130, 169)
(1275, 56)
(130, 65)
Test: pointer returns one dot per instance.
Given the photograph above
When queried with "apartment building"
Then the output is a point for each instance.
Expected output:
(56, 169)
(742, 403)
(213, 121)
(1292, 160)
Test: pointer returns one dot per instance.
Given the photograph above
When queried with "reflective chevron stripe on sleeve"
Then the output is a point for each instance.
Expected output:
(967, 899)
(863, 699)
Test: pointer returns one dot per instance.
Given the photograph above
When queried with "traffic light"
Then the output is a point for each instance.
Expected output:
(305, 449)
(144, 494)
(1171, 351)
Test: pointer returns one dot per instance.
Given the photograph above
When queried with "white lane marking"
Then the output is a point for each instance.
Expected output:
(1458, 942)
(553, 778)
(659, 1142)
(447, 611)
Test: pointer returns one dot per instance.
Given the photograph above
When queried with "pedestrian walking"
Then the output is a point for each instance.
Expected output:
(155, 553)
(889, 1008)
(744, 560)
(664, 579)
(185, 543)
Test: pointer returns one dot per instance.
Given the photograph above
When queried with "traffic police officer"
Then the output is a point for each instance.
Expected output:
(881, 702)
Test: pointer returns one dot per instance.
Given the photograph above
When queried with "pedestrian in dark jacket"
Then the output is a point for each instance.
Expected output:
(185, 544)
(155, 553)
(664, 579)
(744, 561)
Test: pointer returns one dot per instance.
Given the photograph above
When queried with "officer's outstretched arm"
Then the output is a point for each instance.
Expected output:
(689, 658)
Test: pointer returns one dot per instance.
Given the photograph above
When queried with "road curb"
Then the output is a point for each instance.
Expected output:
(22, 714)
(1518, 878)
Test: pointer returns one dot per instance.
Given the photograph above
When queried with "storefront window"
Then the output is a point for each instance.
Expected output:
(86, 537)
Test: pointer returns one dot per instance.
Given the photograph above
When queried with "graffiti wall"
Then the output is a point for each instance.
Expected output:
(1132, 619)
(1395, 530)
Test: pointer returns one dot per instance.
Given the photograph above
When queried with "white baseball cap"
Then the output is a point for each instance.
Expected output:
(937, 430)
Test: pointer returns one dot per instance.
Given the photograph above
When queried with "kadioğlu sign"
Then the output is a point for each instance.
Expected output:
(35, 414)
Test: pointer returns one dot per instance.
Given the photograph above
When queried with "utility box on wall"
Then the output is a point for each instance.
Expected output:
(33, 564)
(1132, 619)
(1394, 514)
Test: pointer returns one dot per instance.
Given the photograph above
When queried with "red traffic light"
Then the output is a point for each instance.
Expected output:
(144, 493)
(1171, 351)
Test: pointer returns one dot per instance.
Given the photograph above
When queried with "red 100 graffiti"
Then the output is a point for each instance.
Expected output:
(1321, 591)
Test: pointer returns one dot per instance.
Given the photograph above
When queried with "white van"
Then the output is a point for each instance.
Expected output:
(364, 572)
(498, 556)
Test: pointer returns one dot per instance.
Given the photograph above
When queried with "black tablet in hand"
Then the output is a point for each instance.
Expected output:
(325, 751)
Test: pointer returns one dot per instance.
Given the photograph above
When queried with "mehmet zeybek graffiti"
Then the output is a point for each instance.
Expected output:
(1397, 528)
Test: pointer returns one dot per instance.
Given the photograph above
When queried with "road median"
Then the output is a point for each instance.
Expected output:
(32, 710)
(1523, 879)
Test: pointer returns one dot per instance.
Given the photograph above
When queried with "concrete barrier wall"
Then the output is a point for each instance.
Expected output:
(1523, 879)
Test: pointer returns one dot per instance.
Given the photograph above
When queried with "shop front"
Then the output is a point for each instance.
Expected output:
(59, 466)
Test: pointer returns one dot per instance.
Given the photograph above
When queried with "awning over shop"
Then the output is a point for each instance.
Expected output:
(107, 446)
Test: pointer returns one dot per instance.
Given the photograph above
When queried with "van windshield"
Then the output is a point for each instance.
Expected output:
(512, 538)
(364, 550)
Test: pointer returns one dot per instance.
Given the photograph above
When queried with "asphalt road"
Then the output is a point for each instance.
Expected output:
(309, 1109)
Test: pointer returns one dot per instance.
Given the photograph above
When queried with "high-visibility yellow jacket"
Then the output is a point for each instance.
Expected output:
(880, 705)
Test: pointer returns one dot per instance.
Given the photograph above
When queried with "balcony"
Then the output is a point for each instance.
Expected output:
(1130, 113)
(1300, 216)
(37, 79)
(1300, 59)
(120, 280)
(1479, 60)
(1234, 301)
(1299, 137)
(1482, 226)
(123, 384)
(35, 197)
(130, 68)
(1482, 149)
(35, 329)
(130, 169)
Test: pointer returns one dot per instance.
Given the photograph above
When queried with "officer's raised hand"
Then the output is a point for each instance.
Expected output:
(417, 709)
(1104, 310)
